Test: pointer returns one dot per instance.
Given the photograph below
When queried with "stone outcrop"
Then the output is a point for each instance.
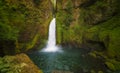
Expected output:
(18, 64)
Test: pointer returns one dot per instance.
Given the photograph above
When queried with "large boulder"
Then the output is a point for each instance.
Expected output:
(18, 64)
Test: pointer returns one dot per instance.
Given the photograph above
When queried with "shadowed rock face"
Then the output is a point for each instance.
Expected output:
(24, 24)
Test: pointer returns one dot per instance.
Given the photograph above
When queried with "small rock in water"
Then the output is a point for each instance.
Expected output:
(60, 71)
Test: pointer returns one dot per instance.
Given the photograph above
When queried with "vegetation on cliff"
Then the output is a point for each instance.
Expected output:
(93, 24)
(23, 24)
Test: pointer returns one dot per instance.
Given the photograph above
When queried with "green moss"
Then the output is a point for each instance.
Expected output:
(62, 25)
(109, 35)
(93, 54)
(97, 27)
(63, 22)
(93, 33)
(17, 64)
(7, 32)
(94, 14)
(115, 63)
(54, 3)
(114, 47)
(100, 72)
(92, 71)
(33, 42)
(24, 24)
(110, 62)
(67, 32)
(110, 66)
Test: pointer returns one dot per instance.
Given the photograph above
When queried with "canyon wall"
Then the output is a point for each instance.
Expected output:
(23, 24)
(91, 24)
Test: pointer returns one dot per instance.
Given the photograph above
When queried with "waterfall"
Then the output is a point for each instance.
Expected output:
(51, 44)
(52, 34)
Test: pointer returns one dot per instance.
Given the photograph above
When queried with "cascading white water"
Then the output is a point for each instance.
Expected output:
(51, 44)
(52, 34)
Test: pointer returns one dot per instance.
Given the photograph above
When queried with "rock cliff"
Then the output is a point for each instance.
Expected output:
(23, 24)
(92, 24)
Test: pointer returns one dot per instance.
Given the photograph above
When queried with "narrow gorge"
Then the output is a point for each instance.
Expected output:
(59, 36)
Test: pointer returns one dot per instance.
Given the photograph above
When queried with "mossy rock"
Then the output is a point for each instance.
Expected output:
(92, 71)
(110, 66)
(18, 64)
(100, 72)
(93, 54)
(114, 47)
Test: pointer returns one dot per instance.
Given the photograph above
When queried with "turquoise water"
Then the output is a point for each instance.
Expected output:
(73, 60)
